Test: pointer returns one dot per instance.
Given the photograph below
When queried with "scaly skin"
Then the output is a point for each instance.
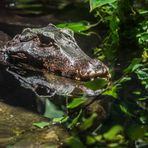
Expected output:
(53, 49)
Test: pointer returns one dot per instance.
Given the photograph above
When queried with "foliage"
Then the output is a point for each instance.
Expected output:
(51, 111)
(41, 124)
(76, 102)
(81, 27)
(106, 12)
(127, 125)
(96, 84)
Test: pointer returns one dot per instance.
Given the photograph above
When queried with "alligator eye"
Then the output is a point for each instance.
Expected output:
(45, 40)
(26, 35)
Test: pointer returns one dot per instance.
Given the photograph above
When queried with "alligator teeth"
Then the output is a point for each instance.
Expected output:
(85, 74)
(77, 78)
(98, 72)
(77, 71)
(81, 73)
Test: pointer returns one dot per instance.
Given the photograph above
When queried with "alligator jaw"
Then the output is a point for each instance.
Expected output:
(91, 70)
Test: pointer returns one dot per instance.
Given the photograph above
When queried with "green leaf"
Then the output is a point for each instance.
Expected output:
(142, 11)
(74, 142)
(27, 6)
(51, 111)
(41, 124)
(133, 65)
(60, 119)
(76, 26)
(145, 83)
(90, 140)
(112, 92)
(125, 79)
(142, 74)
(113, 132)
(75, 120)
(98, 3)
(136, 92)
(124, 109)
(88, 122)
(96, 84)
(76, 102)
(137, 131)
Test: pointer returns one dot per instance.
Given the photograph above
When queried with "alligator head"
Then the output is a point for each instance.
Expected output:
(55, 50)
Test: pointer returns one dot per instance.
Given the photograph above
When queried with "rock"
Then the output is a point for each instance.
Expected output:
(17, 130)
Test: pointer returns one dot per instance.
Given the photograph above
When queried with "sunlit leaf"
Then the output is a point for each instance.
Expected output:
(145, 83)
(51, 110)
(99, 137)
(145, 56)
(76, 102)
(143, 99)
(142, 74)
(96, 84)
(112, 133)
(125, 79)
(90, 140)
(74, 142)
(41, 124)
(113, 145)
(98, 3)
(142, 11)
(88, 122)
(136, 92)
(60, 120)
(146, 134)
(76, 26)
(112, 92)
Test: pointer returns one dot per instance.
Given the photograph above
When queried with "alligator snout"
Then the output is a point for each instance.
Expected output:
(92, 69)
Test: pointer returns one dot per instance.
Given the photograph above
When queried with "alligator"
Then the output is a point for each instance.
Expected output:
(54, 50)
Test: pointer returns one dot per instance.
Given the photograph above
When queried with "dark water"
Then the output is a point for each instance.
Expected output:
(12, 93)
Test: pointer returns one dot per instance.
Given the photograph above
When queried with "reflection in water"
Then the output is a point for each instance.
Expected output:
(44, 85)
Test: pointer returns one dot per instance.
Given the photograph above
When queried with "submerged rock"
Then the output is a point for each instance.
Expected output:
(17, 130)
